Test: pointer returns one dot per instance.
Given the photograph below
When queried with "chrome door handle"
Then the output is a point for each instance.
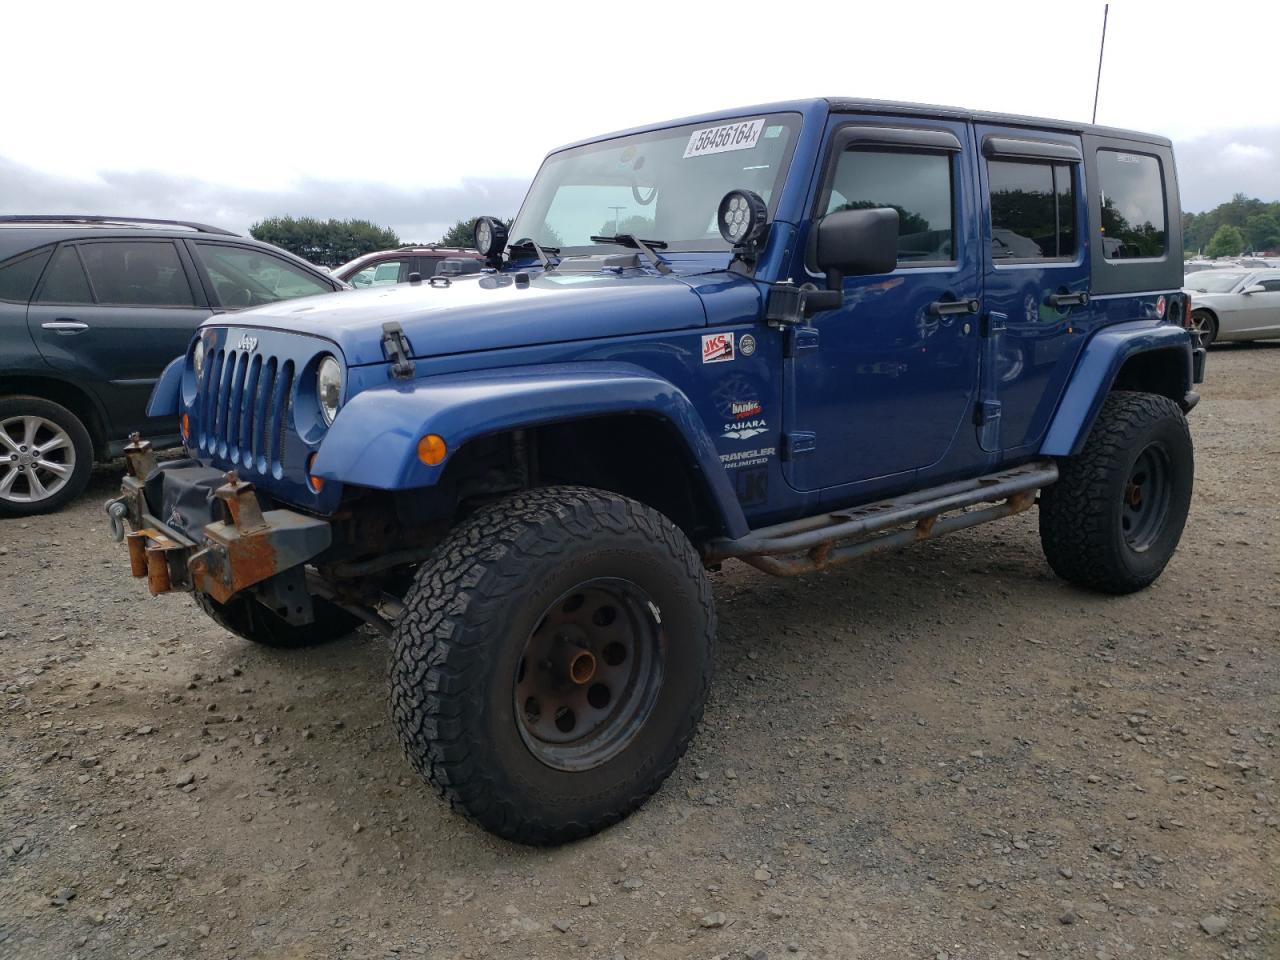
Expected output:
(65, 326)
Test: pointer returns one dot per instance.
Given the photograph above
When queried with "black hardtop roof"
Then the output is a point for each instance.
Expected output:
(856, 105)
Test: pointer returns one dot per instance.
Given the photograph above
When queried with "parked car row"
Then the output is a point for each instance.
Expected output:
(1234, 304)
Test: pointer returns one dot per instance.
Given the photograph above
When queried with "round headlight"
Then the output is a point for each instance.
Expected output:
(329, 388)
(197, 358)
(742, 217)
(490, 236)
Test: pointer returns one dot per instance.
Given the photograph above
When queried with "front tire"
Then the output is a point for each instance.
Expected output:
(250, 620)
(553, 662)
(46, 456)
(1114, 517)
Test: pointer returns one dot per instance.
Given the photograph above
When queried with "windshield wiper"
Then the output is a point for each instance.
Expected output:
(647, 247)
(528, 243)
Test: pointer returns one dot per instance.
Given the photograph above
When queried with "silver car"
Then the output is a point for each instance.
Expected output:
(1234, 304)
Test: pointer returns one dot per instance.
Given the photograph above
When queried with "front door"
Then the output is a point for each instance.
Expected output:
(114, 313)
(881, 387)
(1036, 309)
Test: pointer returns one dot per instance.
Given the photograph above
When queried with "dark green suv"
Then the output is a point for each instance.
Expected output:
(91, 310)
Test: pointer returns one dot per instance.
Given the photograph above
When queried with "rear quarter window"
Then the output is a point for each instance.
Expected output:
(1134, 222)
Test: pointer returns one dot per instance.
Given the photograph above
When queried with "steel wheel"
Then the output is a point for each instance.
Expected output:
(37, 459)
(1146, 499)
(589, 674)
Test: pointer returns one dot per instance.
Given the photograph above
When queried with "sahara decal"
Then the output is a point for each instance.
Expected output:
(717, 347)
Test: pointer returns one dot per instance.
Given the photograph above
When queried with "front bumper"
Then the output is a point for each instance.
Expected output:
(188, 531)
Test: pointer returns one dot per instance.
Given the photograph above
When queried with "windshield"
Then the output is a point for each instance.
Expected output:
(664, 185)
(1210, 281)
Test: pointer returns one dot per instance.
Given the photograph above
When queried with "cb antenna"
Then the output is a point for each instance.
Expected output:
(1106, 7)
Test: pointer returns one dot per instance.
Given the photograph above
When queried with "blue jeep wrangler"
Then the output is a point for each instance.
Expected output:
(789, 335)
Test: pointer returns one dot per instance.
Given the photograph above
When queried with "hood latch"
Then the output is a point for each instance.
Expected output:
(395, 347)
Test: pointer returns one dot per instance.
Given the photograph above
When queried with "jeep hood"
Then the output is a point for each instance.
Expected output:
(486, 312)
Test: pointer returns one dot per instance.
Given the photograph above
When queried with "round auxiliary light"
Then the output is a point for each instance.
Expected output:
(742, 217)
(490, 236)
(329, 388)
(197, 358)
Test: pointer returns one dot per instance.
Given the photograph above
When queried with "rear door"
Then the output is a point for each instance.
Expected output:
(1035, 283)
(113, 313)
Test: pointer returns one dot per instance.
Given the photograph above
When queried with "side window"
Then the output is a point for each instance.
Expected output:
(1271, 286)
(917, 185)
(1133, 214)
(137, 273)
(18, 277)
(247, 278)
(377, 274)
(1033, 210)
(65, 281)
(429, 266)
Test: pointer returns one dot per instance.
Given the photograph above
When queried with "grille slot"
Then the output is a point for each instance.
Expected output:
(244, 407)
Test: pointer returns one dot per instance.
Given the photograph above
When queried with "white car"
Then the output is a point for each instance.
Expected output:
(1234, 304)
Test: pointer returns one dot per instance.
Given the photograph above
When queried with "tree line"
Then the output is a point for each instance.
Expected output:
(331, 242)
(1241, 225)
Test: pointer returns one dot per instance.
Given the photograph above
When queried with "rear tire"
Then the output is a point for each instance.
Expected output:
(250, 620)
(1114, 517)
(1206, 324)
(553, 662)
(46, 456)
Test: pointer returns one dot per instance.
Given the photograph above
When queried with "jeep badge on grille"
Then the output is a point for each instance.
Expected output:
(247, 343)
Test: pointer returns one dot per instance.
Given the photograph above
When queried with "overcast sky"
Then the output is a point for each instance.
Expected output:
(416, 114)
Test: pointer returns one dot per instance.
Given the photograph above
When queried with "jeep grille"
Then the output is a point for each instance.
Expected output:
(243, 407)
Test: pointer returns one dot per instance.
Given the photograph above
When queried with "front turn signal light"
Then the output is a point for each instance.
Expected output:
(315, 483)
(432, 450)
(186, 428)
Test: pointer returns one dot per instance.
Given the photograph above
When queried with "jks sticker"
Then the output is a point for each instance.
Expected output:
(717, 347)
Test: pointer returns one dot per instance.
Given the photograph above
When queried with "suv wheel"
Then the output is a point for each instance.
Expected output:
(247, 618)
(1116, 514)
(553, 662)
(46, 456)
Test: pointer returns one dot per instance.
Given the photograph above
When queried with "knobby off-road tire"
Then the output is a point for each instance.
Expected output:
(1116, 513)
(576, 574)
(247, 618)
(58, 461)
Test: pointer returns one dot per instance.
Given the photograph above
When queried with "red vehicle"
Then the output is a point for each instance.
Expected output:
(395, 266)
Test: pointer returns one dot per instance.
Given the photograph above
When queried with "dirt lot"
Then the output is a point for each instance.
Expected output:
(943, 753)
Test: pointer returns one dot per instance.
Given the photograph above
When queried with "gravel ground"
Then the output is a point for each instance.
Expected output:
(941, 753)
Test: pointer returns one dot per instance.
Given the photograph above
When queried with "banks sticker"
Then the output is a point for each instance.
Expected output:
(717, 347)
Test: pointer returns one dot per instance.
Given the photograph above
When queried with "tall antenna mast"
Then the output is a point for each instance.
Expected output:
(1106, 7)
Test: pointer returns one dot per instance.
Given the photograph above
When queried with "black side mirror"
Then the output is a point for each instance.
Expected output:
(857, 243)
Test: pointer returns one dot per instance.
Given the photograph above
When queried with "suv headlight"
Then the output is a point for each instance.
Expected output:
(329, 388)
(197, 358)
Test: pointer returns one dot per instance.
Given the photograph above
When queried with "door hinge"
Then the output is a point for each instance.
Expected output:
(797, 442)
(986, 411)
(800, 338)
(993, 323)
